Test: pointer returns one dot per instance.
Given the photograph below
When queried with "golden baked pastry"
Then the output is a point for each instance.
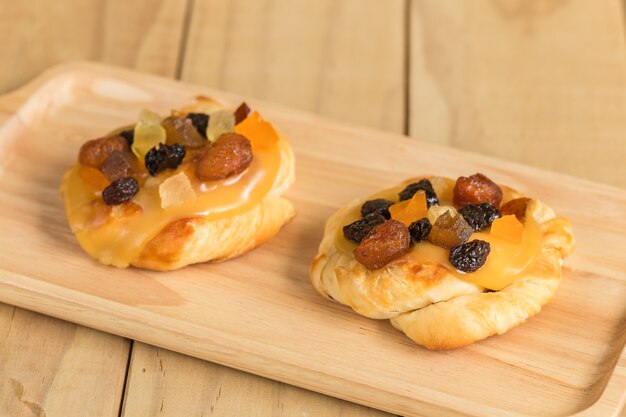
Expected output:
(203, 184)
(448, 265)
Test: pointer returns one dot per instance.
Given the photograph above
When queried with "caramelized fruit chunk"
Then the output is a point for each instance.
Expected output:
(476, 189)
(119, 165)
(421, 185)
(165, 157)
(517, 207)
(420, 229)
(508, 227)
(94, 152)
(120, 191)
(411, 210)
(383, 244)
(241, 113)
(220, 122)
(176, 190)
(357, 230)
(93, 177)
(379, 205)
(479, 216)
(200, 121)
(470, 256)
(229, 155)
(449, 231)
(182, 131)
(148, 133)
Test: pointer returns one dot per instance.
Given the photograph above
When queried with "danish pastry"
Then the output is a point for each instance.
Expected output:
(447, 262)
(203, 184)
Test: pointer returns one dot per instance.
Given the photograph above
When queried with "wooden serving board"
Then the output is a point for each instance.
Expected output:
(259, 312)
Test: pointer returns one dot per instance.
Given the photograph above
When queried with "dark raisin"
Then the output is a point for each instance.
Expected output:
(480, 216)
(241, 113)
(421, 185)
(470, 256)
(420, 229)
(379, 205)
(129, 135)
(166, 156)
(359, 229)
(200, 121)
(120, 191)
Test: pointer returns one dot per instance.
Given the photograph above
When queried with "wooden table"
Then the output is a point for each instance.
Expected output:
(537, 81)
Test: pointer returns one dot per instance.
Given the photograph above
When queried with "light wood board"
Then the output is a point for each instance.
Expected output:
(568, 359)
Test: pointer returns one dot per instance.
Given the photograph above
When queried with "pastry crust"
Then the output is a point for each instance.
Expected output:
(431, 305)
(195, 239)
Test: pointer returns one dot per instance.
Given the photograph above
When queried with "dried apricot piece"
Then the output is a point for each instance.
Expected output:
(93, 153)
(383, 244)
(508, 227)
(411, 210)
(449, 231)
(518, 207)
(229, 155)
(476, 189)
(93, 177)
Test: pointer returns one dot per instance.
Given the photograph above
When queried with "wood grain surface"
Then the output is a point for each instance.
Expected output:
(203, 317)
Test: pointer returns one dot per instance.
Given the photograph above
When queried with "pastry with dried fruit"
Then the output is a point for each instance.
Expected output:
(448, 262)
(202, 184)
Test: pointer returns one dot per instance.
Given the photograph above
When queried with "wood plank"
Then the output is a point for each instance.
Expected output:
(55, 368)
(543, 83)
(340, 59)
(274, 324)
(168, 384)
(145, 35)
(49, 366)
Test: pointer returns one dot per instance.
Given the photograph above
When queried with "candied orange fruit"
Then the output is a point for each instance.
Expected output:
(508, 227)
(408, 211)
(260, 133)
(93, 177)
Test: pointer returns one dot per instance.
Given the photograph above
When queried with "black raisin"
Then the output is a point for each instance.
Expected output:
(129, 135)
(420, 229)
(359, 229)
(241, 113)
(200, 121)
(166, 156)
(120, 191)
(470, 256)
(480, 216)
(379, 205)
(421, 185)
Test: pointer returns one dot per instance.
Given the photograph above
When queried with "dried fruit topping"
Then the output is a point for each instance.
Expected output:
(378, 205)
(182, 131)
(241, 113)
(148, 133)
(120, 191)
(93, 177)
(166, 156)
(476, 189)
(421, 185)
(357, 230)
(220, 122)
(470, 256)
(229, 155)
(408, 211)
(420, 229)
(200, 121)
(94, 152)
(260, 133)
(479, 216)
(129, 135)
(176, 190)
(383, 244)
(119, 165)
(435, 211)
(518, 207)
(449, 231)
(508, 227)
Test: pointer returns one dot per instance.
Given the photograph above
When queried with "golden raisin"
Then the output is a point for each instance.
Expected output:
(476, 189)
(383, 244)
(517, 207)
(94, 152)
(229, 155)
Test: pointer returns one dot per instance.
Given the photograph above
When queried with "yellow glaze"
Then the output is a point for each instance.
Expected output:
(117, 235)
(506, 262)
